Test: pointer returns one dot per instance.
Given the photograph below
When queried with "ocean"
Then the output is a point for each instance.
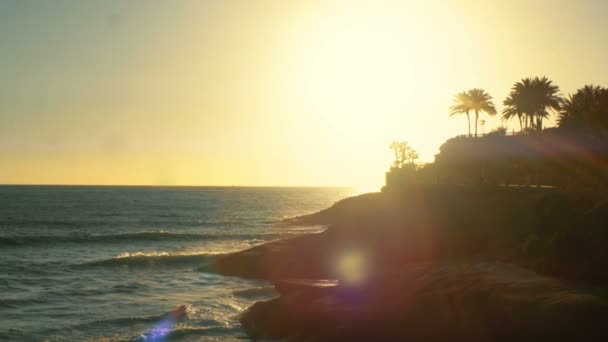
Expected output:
(87, 263)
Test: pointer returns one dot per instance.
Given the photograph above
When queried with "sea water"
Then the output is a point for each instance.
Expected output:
(108, 263)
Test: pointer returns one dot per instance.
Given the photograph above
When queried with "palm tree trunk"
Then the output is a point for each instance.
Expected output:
(469, 123)
(521, 127)
(476, 117)
(539, 123)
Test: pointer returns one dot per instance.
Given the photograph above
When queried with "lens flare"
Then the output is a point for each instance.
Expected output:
(352, 267)
(162, 329)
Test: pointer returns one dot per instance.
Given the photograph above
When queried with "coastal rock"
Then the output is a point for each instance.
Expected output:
(535, 228)
(458, 301)
(437, 264)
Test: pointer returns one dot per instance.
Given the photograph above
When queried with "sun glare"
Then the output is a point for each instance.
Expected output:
(351, 77)
(356, 77)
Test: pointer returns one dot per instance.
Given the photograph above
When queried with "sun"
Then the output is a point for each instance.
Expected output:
(354, 78)
(351, 77)
(358, 75)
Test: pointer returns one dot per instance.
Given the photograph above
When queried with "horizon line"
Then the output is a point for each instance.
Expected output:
(174, 186)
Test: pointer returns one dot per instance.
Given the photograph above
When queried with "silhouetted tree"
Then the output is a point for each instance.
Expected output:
(547, 97)
(481, 102)
(532, 99)
(462, 105)
(500, 130)
(399, 150)
(411, 155)
(519, 101)
(586, 109)
(403, 153)
(513, 109)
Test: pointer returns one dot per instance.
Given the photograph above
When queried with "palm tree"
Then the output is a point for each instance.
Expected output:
(462, 105)
(547, 98)
(481, 102)
(587, 108)
(523, 93)
(513, 109)
(532, 98)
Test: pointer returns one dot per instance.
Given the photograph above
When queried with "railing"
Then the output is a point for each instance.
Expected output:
(481, 135)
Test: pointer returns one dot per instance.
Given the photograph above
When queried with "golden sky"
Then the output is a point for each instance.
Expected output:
(237, 92)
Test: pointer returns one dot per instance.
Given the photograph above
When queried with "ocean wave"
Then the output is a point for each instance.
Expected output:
(148, 327)
(129, 237)
(121, 321)
(187, 331)
(10, 241)
(152, 259)
(257, 293)
(39, 222)
(13, 334)
(16, 303)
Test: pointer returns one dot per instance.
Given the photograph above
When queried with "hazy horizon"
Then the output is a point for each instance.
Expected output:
(265, 93)
(179, 186)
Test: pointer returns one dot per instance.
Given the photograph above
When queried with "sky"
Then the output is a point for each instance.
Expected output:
(265, 92)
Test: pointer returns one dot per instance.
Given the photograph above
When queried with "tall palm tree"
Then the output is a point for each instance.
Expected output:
(481, 102)
(523, 93)
(462, 105)
(532, 98)
(513, 109)
(547, 98)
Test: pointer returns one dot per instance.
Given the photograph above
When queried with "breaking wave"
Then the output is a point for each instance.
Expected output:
(129, 237)
(153, 259)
